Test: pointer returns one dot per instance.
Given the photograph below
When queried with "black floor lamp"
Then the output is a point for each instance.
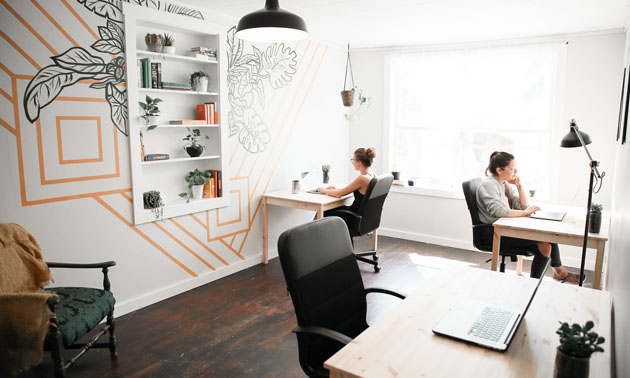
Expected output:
(577, 138)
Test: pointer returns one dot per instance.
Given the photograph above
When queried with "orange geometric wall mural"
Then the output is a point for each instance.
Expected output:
(47, 87)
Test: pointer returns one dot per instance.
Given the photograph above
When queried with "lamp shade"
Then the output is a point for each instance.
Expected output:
(572, 139)
(271, 24)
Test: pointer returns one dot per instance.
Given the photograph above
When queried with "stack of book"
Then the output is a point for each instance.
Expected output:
(149, 74)
(176, 85)
(208, 113)
(214, 187)
(205, 53)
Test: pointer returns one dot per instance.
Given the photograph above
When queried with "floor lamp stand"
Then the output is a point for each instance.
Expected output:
(594, 165)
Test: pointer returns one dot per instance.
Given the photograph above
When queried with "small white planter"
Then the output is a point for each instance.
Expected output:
(197, 192)
(201, 84)
(169, 50)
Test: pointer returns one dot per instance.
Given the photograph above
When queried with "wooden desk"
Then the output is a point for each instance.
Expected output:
(401, 344)
(570, 231)
(303, 200)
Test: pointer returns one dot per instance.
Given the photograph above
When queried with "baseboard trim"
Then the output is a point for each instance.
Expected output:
(184, 286)
(570, 261)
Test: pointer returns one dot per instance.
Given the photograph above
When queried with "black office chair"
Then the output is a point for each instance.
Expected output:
(326, 288)
(368, 216)
(483, 233)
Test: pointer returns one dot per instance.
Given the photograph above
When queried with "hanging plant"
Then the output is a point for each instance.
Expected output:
(347, 95)
(153, 201)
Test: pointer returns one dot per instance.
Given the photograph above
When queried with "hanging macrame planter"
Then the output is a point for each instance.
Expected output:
(347, 95)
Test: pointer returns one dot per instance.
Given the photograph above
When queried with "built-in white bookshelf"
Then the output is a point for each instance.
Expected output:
(167, 176)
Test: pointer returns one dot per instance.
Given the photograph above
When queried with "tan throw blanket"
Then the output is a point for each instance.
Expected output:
(24, 314)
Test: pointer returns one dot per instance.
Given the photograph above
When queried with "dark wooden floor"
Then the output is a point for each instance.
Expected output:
(240, 326)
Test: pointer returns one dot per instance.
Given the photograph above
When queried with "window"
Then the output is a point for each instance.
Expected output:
(450, 110)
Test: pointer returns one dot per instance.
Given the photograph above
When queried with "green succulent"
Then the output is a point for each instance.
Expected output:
(579, 341)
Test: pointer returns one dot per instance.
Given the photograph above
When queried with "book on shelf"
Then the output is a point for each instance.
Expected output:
(216, 183)
(204, 50)
(207, 113)
(154, 157)
(159, 75)
(209, 188)
(142, 157)
(188, 122)
(146, 73)
(202, 56)
(176, 85)
(219, 184)
(154, 79)
(139, 66)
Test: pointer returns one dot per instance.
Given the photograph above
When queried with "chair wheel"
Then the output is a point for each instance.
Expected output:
(377, 268)
(375, 258)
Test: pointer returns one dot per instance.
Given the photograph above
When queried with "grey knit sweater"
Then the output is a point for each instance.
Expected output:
(492, 201)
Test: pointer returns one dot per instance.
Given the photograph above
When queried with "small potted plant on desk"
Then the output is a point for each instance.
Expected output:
(194, 149)
(577, 343)
(325, 171)
(196, 180)
(150, 112)
(595, 218)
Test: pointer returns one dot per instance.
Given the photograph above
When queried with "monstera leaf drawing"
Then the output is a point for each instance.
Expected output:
(279, 63)
(235, 47)
(237, 104)
(178, 9)
(112, 39)
(77, 59)
(233, 126)
(104, 8)
(253, 134)
(118, 106)
(46, 86)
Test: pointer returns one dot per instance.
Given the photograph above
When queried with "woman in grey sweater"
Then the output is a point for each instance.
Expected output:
(502, 195)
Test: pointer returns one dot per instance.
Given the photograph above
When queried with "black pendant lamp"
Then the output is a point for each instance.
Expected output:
(271, 24)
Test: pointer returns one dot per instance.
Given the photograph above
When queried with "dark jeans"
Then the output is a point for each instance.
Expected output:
(516, 244)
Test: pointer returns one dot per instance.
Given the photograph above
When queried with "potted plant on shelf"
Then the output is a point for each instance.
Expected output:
(325, 170)
(169, 44)
(577, 343)
(199, 81)
(150, 112)
(194, 148)
(196, 180)
(155, 42)
(153, 201)
(595, 218)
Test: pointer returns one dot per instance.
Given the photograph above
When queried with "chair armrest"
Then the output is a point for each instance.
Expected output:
(326, 332)
(343, 213)
(384, 291)
(105, 264)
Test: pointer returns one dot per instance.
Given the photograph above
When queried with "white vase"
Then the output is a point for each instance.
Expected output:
(154, 120)
(201, 84)
(169, 50)
(197, 192)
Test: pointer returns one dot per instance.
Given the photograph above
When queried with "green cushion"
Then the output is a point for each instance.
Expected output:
(80, 309)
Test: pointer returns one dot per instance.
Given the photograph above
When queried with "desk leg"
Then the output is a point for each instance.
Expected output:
(496, 246)
(374, 240)
(599, 260)
(519, 265)
(320, 213)
(265, 230)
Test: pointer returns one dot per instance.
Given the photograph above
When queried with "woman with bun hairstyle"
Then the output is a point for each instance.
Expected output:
(362, 160)
(502, 195)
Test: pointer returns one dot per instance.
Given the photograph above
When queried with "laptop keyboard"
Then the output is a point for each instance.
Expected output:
(491, 323)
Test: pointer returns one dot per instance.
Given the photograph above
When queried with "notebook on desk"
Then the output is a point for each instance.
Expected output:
(310, 182)
(549, 215)
(485, 324)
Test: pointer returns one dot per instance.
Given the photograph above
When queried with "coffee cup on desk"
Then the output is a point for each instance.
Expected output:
(295, 187)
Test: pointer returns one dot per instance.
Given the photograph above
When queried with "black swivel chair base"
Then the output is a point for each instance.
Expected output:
(502, 265)
(374, 261)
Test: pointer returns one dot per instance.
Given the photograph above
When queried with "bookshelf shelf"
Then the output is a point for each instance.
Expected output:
(169, 126)
(179, 160)
(168, 176)
(157, 90)
(174, 57)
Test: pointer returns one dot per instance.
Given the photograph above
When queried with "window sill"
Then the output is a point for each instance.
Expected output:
(427, 192)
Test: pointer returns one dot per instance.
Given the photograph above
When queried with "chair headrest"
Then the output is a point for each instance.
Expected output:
(379, 186)
(470, 193)
(309, 247)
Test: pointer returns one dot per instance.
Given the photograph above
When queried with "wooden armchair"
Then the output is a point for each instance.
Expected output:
(78, 310)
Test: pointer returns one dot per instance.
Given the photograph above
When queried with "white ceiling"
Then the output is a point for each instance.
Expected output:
(378, 23)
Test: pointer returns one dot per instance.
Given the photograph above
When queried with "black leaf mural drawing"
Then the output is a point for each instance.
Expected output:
(77, 63)
(246, 75)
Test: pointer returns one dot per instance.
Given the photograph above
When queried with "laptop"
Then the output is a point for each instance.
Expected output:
(549, 215)
(485, 324)
(310, 182)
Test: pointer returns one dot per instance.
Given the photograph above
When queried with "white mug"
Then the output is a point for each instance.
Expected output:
(295, 189)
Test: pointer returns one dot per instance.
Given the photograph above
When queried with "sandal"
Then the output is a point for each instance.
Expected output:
(572, 278)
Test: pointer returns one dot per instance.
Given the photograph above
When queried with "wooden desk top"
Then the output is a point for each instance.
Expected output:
(401, 344)
(312, 198)
(572, 225)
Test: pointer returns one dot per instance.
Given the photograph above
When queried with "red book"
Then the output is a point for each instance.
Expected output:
(201, 112)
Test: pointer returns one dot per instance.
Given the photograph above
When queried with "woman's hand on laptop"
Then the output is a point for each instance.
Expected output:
(531, 210)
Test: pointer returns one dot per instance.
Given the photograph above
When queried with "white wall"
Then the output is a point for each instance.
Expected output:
(78, 219)
(618, 280)
(590, 94)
